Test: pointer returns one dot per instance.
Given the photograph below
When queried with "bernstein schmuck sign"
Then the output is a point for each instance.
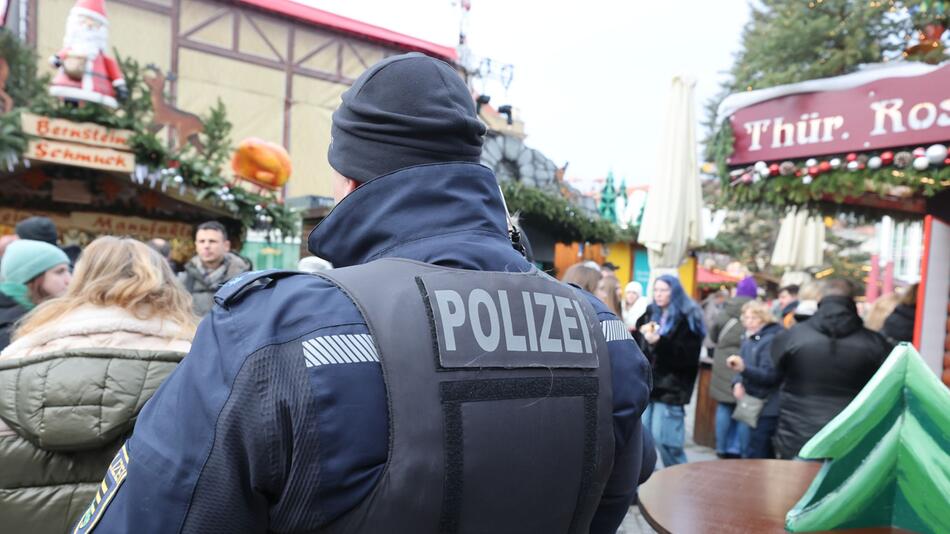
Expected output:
(77, 143)
(885, 113)
(80, 155)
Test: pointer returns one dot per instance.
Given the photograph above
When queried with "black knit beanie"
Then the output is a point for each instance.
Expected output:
(38, 229)
(405, 110)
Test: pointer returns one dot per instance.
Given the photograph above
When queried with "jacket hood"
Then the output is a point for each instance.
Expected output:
(88, 326)
(79, 399)
(733, 307)
(448, 214)
(10, 310)
(235, 265)
(770, 329)
(836, 317)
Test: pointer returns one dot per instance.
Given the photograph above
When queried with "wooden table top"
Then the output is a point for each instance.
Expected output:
(729, 496)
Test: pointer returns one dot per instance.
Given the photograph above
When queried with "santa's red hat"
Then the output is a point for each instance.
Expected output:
(92, 8)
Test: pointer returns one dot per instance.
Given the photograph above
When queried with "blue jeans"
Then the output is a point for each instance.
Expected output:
(665, 423)
(729, 432)
(760, 438)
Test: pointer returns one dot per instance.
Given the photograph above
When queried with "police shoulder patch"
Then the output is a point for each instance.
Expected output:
(115, 475)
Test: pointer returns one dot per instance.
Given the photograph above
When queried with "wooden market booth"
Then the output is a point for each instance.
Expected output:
(92, 188)
(870, 143)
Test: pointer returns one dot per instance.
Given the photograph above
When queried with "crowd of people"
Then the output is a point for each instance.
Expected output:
(330, 403)
(781, 370)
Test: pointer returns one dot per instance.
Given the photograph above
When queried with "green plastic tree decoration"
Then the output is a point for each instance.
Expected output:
(608, 200)
(622, 200)
(887, 455)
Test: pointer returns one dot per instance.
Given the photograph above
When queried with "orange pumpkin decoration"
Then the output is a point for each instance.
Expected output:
(262, 163)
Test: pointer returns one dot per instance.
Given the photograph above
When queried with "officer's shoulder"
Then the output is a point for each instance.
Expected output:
(601, 309)
(274, 285)
(244, 284)
(285, 297)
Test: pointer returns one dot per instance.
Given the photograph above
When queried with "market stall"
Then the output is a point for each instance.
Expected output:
(133, 165)
(869, 144)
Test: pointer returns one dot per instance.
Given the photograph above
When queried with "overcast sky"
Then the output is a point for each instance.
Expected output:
(590, 78)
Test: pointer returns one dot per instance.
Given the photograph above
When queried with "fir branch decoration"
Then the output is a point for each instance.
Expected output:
(566, 221)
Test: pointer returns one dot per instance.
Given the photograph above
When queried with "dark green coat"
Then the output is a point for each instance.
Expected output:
(728, 342)
(64, 415)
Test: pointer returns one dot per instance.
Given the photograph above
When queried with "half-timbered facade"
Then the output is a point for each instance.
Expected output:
(277, 65)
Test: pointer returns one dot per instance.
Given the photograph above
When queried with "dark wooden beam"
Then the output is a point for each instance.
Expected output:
(322, 75)
(148, 6)
(32, 14)
(205, 23)
(176, 46)
(314, 52)
(356, 53)
(265, 38)
(236, 30)
(289, 85)
(231, 54)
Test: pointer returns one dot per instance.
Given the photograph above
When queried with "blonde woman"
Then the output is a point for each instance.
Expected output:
(756, 377)
(79, 369)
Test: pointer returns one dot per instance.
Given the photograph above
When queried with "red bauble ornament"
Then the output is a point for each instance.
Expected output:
(813, 170)
(946, 161)
(851, 157)
(887, 157)
(824, 166)
(773, 169)
(798, 172)
(920, 152)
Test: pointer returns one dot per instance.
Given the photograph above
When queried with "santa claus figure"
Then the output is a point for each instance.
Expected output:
(86, 72)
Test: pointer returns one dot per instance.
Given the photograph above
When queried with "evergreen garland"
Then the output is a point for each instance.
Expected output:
(564, 220)
(839, 183)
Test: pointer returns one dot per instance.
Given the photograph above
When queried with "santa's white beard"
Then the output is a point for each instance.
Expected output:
(82, 41)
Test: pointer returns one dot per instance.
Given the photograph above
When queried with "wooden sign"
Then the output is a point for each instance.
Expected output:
(80, 155)
(78, 132)
(104, 224)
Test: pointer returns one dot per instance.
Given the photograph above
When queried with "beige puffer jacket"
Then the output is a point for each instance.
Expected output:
(69, 396)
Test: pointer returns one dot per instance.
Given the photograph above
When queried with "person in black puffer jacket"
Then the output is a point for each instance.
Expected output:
(673, 337)
(822, 364)
(899, 325)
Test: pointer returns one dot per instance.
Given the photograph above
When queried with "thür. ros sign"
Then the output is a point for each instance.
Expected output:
(885, 113)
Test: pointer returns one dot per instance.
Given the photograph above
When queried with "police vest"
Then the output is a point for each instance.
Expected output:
(499, 391)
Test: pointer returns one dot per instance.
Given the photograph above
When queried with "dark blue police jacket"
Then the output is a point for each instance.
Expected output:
(220, 448)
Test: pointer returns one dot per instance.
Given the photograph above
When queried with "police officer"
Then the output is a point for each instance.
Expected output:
(437, 383)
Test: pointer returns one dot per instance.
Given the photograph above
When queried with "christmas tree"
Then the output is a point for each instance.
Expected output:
(887, 455)
(789, 41)
(608, 200)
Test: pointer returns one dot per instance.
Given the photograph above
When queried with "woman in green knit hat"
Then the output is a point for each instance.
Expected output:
(31, 272)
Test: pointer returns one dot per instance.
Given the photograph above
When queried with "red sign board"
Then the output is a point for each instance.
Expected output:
(885, 113)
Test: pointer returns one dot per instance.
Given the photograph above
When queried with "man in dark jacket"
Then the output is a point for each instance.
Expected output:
(822, 364)
(213, 265)
(298, 409)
